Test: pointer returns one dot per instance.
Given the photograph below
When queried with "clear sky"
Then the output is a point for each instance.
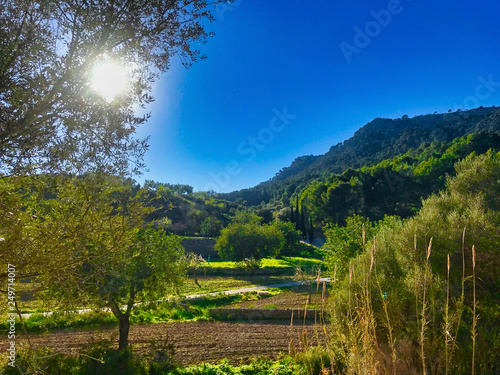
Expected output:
(286, 78)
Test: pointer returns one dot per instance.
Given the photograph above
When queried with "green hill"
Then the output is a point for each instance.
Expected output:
(378, 140)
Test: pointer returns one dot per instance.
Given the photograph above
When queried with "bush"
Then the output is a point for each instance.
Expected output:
(211, 227)
(262, 366)
(345, 243)
(44, 361)
(245, 240)
(249, 264)
(404, 306)
(291, 246)
(99, 358)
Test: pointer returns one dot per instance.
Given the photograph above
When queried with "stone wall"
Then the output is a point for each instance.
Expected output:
(200, 246)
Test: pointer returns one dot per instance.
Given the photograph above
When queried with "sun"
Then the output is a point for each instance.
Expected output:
(109, 79)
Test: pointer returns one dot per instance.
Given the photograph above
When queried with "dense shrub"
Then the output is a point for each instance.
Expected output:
(211, 227)
(245, 240)
(405, 307)
(292, 245)
(101, 359)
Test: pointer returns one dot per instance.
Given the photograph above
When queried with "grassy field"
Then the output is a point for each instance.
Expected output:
(291, 297)
(221, 283)
(209, 284)
(284, 262)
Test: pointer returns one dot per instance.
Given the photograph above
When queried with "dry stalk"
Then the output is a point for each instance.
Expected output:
(474, 317)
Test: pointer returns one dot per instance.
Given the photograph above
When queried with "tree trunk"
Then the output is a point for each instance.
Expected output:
(124, 329)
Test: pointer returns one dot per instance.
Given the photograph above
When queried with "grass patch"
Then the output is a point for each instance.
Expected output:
(269, 263)
(38, 323)
(271, 306)
(141, 314)
(222, 283)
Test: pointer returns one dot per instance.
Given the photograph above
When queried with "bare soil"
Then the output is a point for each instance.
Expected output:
(194, 342)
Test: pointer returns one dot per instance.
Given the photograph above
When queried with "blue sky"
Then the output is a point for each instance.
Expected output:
(286, 78)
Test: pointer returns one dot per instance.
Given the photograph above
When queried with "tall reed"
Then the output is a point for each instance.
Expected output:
(474, 316)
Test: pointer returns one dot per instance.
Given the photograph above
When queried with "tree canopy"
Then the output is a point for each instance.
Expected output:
(50, 120)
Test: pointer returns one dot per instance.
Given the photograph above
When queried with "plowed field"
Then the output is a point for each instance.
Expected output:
(194, 342)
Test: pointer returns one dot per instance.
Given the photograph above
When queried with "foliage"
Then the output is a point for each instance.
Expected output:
(101, 359)
(49, 120)
(150, 264)
(394, 186)
(211, 227)
(98, 358)
(262, 366)
(315, 360)
(379, 140)
(243, 217)
(88, 242)
(246, 240)
(250, 264)
(48, 222)
(292, 237)
(408, 303)
(174, 188)
(40, 323)
(346, 242)
(185, 213)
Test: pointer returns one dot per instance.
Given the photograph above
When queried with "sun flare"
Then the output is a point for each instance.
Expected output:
(109, 79)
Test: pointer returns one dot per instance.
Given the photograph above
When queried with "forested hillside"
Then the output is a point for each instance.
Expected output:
(395, 186)
(378, 140)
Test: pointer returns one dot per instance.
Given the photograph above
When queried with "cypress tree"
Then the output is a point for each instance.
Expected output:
(311, 231)
(297, 217)
(292, 218)
(303, 222)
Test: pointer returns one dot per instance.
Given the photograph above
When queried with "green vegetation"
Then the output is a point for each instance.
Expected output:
(379, 140)
(395, 186)
(87, 243)
(269, 263)
(284, 366)
(424, 289)
(246, 240)
(100, 358)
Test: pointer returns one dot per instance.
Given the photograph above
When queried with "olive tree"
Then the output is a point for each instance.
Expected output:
(86, 243)
(50, 119)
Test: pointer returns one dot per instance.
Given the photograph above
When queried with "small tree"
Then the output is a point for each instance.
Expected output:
(144, 270)
(194, 261)
(311, 231)
(86, 242)
(239, 241)
(345, 243)
(291, 236)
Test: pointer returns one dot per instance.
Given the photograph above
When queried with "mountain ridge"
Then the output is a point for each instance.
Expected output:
(377, 140)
